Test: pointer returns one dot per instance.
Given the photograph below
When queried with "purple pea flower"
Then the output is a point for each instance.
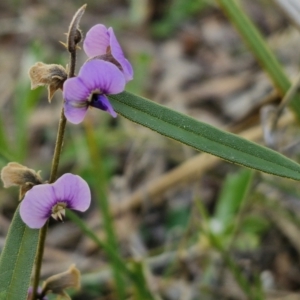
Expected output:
(45, 200)
(95, 79)
(102, 42)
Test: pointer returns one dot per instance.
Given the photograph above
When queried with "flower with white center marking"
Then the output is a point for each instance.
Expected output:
(95, 80)
(46, 200)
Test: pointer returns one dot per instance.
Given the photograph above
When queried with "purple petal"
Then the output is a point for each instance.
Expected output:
(73, 113)
(96, 41)
(102, 75)
(37, 204)
(75, 90)
(101, 102)
(75, 94)
(74, 191)
(127, 69)
(118, 54)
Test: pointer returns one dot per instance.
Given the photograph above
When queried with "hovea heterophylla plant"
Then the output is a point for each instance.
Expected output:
(100, 83)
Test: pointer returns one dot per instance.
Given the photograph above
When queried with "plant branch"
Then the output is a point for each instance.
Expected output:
(38, 260)
(73, 38)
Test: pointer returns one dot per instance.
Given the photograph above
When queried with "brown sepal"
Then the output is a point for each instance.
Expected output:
(57, 284)
(53, 76)
(19, 175)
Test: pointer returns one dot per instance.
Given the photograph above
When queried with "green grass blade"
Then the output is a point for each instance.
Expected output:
(3, 137)
(17, 259)
(98, 174)
(235, 269)
(202, 136)
(122, 266)
(260, 49)
(233, 193)
(139, 269)
(6, 153)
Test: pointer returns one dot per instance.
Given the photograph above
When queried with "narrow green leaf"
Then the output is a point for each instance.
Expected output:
(17, 259)
(6, 153)
(139, 269)
(249, 289)
(107, 248)
(260, 49)
(3, 137)
(202, 136)
(234, 191)
(98, 174)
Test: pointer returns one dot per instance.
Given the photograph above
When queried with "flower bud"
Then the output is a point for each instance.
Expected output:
(74, 36)
(16, 174)
(57, 284)
(53, 76)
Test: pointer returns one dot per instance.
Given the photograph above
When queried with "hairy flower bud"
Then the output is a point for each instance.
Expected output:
(74, 35)
(16, 174)
(57, 284)
(52, 76)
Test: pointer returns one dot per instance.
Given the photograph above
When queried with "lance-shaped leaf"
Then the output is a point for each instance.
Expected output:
(233, 193)
(17, 259)
(203, 137)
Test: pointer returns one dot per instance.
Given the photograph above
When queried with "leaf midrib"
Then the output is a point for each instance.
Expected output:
(138, 109)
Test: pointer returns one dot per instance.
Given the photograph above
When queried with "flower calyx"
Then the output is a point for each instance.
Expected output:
(57, 284)
(15, 174)
(51, 75)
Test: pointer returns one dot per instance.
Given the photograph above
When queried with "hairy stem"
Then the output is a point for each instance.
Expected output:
(58, 146)
(53, 174)
(38, 260)
(54, 167)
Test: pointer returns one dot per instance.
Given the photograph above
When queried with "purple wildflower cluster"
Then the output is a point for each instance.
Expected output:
(105, 72)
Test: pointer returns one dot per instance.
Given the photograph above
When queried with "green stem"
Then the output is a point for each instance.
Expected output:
(72, 64)
(53, 175)
(38, 260)
(72, 41)
(250, 292)
(58, 146)
(102, 201)
(107, 248)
